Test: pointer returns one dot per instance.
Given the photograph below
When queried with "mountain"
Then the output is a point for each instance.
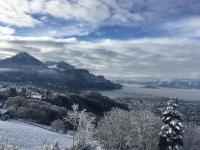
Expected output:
(22, 61)
(25, 69)
(178, 83)
(173, 83)
(59, 65)
(81, 77)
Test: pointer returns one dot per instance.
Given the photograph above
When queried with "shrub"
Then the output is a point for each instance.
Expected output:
(58, 125)
(52, 147)
(8, 147)
(32, 109)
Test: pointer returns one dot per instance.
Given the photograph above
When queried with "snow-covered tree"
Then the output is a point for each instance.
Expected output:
(112, 130)
(191, 137)
(72, 118)
(171, 135)
(85, 129)
(146, 125)
(83, 126)
(129, 130)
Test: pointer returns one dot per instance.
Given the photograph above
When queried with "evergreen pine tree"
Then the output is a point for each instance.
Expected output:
(171, 134)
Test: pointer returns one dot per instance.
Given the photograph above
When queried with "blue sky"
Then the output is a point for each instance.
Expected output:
(121, 39)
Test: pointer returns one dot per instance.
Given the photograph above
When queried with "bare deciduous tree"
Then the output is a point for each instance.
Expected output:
(134, 130)
(73, 117)
(83, 126)
(147, 129)
(191, 137)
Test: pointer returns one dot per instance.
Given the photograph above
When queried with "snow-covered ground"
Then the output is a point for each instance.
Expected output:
(29, 137)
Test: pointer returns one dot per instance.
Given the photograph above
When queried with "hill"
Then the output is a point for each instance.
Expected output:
(30, 137)
(44, 106)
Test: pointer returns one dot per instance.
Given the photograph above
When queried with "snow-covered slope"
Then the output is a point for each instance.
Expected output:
(29, 137)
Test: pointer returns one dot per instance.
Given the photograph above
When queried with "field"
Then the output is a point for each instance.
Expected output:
(30, 137)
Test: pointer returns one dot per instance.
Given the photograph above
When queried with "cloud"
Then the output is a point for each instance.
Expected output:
(70, 30)
(88, 15)
(80, 17)
(37, 39)
(16, 13)
(167, 33)
(6, 31)
(60, 18)
(187, 27)
(145, 57)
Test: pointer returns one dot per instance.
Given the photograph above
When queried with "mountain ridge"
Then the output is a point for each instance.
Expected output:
(26, 69)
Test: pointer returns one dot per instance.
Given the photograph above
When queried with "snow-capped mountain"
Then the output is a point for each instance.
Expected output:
(22, 61)
(167, 83)
(59, 65)
(26, 69)
(177, 83)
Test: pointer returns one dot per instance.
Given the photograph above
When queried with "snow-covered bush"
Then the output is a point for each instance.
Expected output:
(85, 147)
(83, 127)
(52, 147)
(8, 147)
(58, 125)
(171, 135)
(123, 130)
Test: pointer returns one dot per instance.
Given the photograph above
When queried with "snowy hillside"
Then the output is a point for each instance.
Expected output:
(29, 137)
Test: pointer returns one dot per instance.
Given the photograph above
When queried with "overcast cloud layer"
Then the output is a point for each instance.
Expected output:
(121, 39)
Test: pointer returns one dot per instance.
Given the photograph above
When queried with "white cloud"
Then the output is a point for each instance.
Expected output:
(122, 16)
(187, 27)
(146, 57)
(6, 31)
(81, 17)
(16, 13)
(87, 15)
(70, 30)
(37, 39)
(134, 57)
(82, 10)
(36, 6)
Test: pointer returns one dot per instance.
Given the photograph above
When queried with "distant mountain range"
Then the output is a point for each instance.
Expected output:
(174, 83)
(25, 69)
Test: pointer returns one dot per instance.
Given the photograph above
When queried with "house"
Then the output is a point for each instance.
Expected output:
(36, 95)
(3, 114)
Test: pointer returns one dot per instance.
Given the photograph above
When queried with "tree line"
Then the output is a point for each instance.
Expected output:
(134, 130)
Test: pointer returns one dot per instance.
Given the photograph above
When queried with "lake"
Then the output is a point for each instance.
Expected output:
(130, 90)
